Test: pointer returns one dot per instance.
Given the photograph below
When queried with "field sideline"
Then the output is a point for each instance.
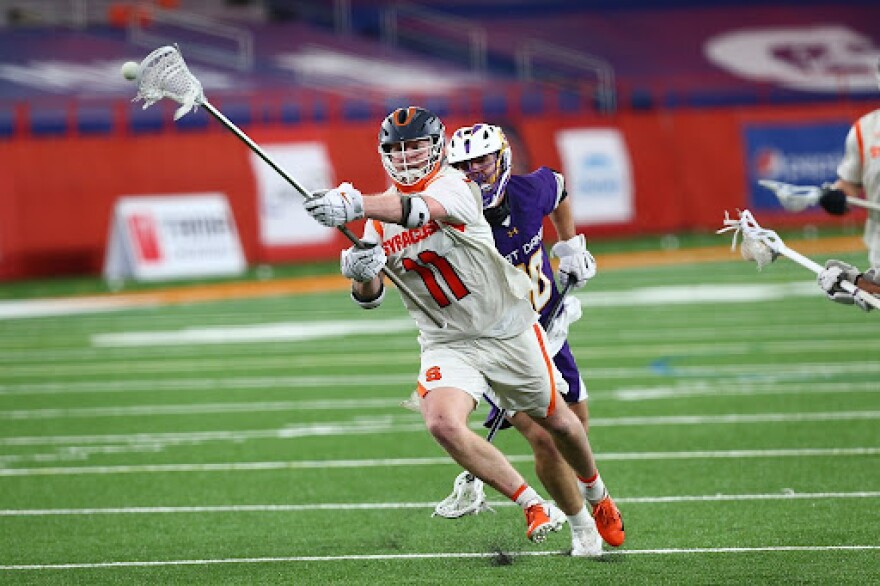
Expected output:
(254, 435)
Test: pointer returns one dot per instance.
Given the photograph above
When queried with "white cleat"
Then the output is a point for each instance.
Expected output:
(557, 517)
(586, 542)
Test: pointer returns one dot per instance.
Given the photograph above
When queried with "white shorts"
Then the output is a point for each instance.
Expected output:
(518, 370)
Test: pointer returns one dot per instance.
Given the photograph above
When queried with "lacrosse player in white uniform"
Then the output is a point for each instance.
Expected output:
(858, 173)
(429, 230)
(516, 206)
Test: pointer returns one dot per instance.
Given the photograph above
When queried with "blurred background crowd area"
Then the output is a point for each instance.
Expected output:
(662, 114)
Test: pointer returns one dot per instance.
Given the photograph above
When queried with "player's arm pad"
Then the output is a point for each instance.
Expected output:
(415, 211)
(370, 303)
(560, 182)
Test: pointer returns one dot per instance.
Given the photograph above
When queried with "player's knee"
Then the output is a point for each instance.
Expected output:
(445, 430)
(562, 422)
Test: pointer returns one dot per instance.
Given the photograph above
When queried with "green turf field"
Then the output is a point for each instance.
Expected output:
(734, 414)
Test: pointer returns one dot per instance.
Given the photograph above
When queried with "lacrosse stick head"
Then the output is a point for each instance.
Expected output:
(794, 198)
(467, 498)
(164, 74)
(758, 245)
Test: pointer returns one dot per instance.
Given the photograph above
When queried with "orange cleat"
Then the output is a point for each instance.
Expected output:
(538, 523)
(609, 522)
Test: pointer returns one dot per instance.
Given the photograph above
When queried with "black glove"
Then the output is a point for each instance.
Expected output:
(833, 201)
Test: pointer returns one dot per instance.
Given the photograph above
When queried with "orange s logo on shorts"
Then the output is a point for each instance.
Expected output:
(433, 374)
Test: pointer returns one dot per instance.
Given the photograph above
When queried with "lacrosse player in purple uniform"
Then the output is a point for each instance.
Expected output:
(429, 231)
(515, 206)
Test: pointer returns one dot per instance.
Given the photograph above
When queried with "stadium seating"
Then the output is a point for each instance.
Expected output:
(315, 74)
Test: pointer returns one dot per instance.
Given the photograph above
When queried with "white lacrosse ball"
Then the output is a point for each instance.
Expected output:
(130, 70)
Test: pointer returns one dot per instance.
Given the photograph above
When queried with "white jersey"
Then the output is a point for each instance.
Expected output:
(454, 268)
(861, 165)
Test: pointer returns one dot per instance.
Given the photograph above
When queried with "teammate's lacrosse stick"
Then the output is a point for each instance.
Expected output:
(764, 246)
(467, 496)
(164, 74)
(796, 198)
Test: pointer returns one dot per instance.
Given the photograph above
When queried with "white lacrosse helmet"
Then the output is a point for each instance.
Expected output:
(467, 149)
(412, 142)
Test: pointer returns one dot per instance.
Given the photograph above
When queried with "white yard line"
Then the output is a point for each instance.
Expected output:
(707, 293)
(337, 507)
(71, 305)
(198, 409)
(277, 332)
(710, 346)
(382, 423)
(264, 406)
(665, 367)
(418, 556)
(661, 295)
(435, 461)
(208, 384)
(79, 448)
(703, 389)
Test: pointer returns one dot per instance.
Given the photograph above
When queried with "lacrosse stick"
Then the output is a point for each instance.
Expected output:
(764, 246)
(467, 496)
(164, 74)
(796, 198)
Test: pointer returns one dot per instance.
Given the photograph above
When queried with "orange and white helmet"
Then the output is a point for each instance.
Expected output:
(412, 143)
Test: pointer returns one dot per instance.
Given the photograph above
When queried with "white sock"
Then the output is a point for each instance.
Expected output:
(581, 521)
(526, 496)
(593, 488)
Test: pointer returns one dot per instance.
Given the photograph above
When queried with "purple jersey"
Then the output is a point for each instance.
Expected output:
(520, 239)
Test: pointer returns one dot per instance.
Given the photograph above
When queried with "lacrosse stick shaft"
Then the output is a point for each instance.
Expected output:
(438, 321)
(863, 203)
(817, 268)
(560, 303)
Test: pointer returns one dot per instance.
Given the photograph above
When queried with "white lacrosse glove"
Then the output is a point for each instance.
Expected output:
(557, 330)
(575, 261)
(363, 264)
(794, 198)
(335, 207)
(835, 272)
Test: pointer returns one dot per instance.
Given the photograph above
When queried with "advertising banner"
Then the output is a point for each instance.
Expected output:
(802, 154)
(598, 175)
(282, 219)
(171, 237)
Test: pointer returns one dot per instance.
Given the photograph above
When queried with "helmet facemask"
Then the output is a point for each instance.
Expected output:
(408, 162)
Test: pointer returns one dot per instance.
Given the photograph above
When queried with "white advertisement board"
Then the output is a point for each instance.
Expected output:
(173, 236)
(283, 221)
(598, 175)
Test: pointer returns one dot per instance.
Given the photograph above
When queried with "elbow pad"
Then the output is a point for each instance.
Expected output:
(369, 303)
(415, 211)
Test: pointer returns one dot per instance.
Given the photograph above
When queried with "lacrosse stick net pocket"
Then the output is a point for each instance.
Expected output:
(758, 244)
(164, 74)
(467, 498)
